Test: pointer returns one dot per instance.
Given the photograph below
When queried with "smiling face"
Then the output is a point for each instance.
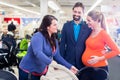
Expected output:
(92, 23)
(77, 13)
(96, 19)
(53, 27)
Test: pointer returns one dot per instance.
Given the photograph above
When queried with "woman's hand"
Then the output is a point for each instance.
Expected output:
(74, 69)
(95, 59)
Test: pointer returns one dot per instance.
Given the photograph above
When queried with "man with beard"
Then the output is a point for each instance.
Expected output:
(73, 37)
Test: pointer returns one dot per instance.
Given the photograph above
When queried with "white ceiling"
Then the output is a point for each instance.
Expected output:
(66, 5)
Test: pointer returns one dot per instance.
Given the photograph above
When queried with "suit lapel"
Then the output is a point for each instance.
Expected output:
(81, 33)
(72, 33)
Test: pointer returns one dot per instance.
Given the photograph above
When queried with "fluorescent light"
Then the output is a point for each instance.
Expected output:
(20, 8)
(95, 4)
(61, 12)
(27, 2)
(53, 5)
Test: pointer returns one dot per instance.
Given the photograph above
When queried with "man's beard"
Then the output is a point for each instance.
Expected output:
(76, 18)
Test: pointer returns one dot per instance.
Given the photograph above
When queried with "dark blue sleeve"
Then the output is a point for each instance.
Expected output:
(63, 41)
(60, 60)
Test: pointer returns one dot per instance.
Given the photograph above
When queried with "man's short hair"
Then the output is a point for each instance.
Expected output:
(78, 4)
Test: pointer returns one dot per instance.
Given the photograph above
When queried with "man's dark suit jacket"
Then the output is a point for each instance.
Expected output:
(70, 49)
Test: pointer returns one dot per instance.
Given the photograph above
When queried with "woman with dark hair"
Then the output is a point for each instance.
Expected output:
(41, 52)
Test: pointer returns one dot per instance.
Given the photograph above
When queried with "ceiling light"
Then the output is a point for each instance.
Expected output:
(61, 12)
(53, 5)
(20, 8)
(27, 2)
(95, 4)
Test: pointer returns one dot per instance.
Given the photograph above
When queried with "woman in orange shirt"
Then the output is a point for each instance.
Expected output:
(94, 55)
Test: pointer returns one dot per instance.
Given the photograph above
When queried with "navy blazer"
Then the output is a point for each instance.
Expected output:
(70, 49)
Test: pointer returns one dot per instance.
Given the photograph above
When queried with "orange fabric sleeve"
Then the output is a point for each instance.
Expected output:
(114, 48)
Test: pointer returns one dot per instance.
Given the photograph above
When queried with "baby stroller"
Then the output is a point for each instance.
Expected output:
(58, 72)
(7, 75)
(7, 57)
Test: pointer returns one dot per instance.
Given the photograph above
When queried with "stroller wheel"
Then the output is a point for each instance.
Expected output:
(91, 73)
(6, 75)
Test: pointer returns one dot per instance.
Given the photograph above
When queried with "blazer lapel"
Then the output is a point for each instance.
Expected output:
(72, 33)
(81, 33)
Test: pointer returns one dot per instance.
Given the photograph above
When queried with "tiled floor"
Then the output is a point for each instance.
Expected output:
(114, 68)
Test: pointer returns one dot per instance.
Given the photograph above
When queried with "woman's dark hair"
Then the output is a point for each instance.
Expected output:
(46, 22)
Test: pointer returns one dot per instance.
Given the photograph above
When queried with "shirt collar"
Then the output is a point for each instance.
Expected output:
(78, 24)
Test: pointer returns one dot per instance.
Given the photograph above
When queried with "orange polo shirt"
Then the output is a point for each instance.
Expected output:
(95, 47)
